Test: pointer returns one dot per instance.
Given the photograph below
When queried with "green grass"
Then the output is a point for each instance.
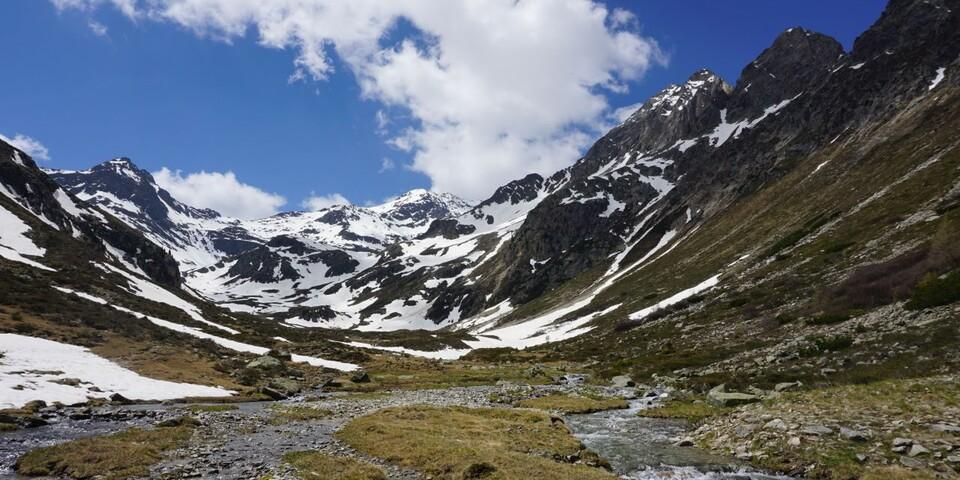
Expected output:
(456, 443)
(8, 427)
(121, 455)
(321, 466)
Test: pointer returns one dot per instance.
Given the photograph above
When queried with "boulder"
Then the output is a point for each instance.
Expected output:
(622, 381)
(273, 393)
(360, 377)
(787, 386)
(816, 430)
(34, 405)
(117, 398)
(945, 428)
(916, 450)
(265, 362)
(776, 424)
(286, 385)
(720, 397)
(280, 355)
(854, 435)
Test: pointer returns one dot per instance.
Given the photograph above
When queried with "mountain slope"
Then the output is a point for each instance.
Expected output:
(73, 274)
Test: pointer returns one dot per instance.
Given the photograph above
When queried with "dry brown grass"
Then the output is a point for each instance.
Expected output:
(321, 466)
(122, 455)
(456, 443)
(568, 404)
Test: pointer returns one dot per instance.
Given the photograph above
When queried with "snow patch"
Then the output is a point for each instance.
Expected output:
(30, 366)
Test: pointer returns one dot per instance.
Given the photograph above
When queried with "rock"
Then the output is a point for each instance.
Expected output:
(953, 459)
(280, 354)
(916, 450)
(285, 385)
(944, 427)
(273, 393)
(794, 441)
(684, 442)
(816, 430)
(622, 381)
(534, 371)
(911, 462)
(180, 422)
(776, 424)
(902, 442)
(720, 397)
(117, 398)
(862, 458)
(70, 382)
(34, 405)
(360, 377)
(787, 386)
(745, 430)
(266, 362)
(854, 435)
(900, 449)
(31, 422)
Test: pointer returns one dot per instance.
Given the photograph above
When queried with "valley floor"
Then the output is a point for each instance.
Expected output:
(891, 429)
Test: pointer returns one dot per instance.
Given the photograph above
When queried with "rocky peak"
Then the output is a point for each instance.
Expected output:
(517, 191)
(797, 61)
(906, 24)
(677, 112)
(121, 179)
(421, 206)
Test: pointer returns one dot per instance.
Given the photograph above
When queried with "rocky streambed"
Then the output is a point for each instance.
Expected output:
(248, 442)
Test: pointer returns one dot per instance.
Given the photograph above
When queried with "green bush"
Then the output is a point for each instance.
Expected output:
(934, 291)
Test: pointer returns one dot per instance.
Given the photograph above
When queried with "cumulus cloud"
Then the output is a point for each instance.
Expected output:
(621, 114)
(97, 28)
(28, 145)
(495, 89)
(319, 202)
(219, 191)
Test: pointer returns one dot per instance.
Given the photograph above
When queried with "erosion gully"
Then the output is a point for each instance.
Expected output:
(244, 444)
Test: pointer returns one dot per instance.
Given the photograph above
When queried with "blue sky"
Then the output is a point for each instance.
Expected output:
(168, 97)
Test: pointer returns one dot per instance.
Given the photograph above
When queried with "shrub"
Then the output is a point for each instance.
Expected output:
(934, 291)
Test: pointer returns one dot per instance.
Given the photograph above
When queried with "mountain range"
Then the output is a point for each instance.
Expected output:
(816, 163)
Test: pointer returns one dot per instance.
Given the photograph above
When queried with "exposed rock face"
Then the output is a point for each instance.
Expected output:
(25, 184)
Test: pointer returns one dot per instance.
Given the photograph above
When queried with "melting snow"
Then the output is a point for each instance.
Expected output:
(14, 244)
(223, 342)
(941, 72)
(30, 366)
(677, 298)
(151, 291)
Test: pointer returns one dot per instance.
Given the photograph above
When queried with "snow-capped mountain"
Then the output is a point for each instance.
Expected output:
(258, 265)
(506, 267)
(195, 237)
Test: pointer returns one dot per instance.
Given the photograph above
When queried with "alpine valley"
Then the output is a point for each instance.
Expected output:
(767, 268)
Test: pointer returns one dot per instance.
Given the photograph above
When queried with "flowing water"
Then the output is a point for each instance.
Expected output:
(641, 448)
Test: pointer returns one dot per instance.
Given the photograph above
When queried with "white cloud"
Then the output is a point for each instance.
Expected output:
(28, 145)
(219, 191)
(495, 89)
(621, 114)
(97, 28)
(319, 202)
(386, 164)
